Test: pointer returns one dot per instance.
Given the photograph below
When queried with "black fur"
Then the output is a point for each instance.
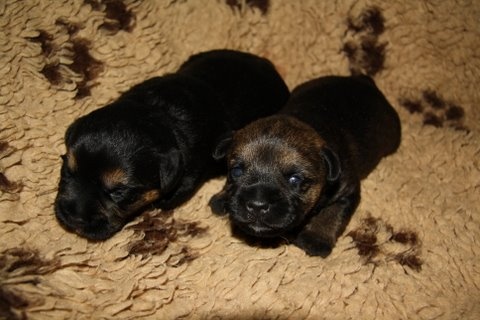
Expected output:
(153, 145)
(296, 175)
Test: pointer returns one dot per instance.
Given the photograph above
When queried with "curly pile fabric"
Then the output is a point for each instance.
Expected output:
(412, 248)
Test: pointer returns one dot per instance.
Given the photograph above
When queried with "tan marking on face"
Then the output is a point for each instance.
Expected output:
(145, 199)
(71, 161)
(114, 178)
(150, 196)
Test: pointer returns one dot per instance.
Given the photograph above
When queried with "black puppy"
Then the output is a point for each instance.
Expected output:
(296, 175)
(154, 144)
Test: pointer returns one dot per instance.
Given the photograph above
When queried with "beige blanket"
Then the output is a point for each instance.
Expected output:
(411, 250)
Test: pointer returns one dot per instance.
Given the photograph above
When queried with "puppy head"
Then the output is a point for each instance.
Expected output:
(112, 169)
(277, 169)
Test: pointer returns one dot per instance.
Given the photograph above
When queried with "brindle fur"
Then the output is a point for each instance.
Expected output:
(332, 133)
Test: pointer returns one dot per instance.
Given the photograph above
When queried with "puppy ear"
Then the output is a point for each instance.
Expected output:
(171, 169)
(332, 162)
(222, 146)
(71, 131)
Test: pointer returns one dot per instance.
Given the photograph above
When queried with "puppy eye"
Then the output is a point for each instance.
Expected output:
(236, 171)
(116, 193)
(295, 179)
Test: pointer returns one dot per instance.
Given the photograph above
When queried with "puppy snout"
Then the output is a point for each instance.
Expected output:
(257, 206)
(68, 212)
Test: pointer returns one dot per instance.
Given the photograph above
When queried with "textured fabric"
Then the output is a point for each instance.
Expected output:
(412, 248)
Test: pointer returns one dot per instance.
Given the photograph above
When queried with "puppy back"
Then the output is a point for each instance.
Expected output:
(351, 114)
(249, 86)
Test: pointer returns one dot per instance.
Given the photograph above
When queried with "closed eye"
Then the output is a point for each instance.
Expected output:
(117, 193)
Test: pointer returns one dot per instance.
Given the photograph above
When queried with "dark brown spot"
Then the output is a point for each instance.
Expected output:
(410, 260)
(454, 112)
(3, 146)
(95, 4)
(350, 49)
(405, 237)
(432, 98)
(51, 71)
(460, 127)
(365, 53)
(438, 110)
(10, 300)
(45, 40)
(371, 223)
(262, 5)
(83, 62)
(373, 57)
(365, 242)
(85, 65)
(186, 255)
(83, 90)
(119, 17)
(234, 4)
(365, 238)
(430, 118)
(192, 229)
(8, 186)
(371, 20)
(413, 106)
(71, 27)
(366, 58)
(18, 223)
(26, 264)
(160, 229)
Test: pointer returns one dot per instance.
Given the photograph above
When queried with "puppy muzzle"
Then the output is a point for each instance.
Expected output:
(262, 210)
(89, 219)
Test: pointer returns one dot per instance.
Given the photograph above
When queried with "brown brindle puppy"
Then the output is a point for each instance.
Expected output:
(296, 175)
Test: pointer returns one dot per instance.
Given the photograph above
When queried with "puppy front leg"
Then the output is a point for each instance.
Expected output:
(320, 234)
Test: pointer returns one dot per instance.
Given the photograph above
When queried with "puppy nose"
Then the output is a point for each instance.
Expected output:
(257, 206)
(69, 212)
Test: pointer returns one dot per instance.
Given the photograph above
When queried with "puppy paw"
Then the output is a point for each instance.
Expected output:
(313, 245)
(217, 203)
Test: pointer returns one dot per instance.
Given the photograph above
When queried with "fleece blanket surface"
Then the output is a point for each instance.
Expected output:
(411, 250)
